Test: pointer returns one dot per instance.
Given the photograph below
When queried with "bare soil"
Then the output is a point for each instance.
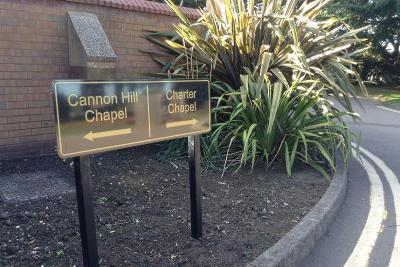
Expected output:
(143, 213)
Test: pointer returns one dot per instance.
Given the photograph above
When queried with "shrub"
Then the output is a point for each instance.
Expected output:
(274, 69)
(266, 122)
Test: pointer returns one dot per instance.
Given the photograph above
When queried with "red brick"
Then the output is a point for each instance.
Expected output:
(44, 59)
(64, 68)
(31, 138)
(33, 83)
(35, 68)
(47, 123)
(15, 75)
(15, 105)
(40, 90)
(10, 127)
(8, 97)
(46, 110)
(8, 112)
(49, 137)
(25, 45)
(41, 75)
(30, 125)
(11, 90)
(9, 141)
(43, 131)
(18, 133)
(28, 111)
(6, 83)
(16, 119)
(30, 97)
(41, 117)
(38, 104)
(7, 67)
(3, 135)
(6, 52)
(13, 60)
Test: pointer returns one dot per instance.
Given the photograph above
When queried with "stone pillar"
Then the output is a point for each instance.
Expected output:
(90, 53)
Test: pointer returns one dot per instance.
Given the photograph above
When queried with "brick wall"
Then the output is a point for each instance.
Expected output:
(34, 51)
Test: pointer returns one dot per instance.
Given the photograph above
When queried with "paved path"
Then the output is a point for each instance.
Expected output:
(366, 231)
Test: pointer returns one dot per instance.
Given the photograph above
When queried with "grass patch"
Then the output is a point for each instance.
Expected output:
(389, 97)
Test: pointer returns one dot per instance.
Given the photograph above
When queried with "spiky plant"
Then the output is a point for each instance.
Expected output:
(285, 52)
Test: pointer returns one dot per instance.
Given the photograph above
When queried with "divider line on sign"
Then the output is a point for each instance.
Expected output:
(395, 188)
(366, 242)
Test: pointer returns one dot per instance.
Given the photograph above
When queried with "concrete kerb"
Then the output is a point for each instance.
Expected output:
(291, 249)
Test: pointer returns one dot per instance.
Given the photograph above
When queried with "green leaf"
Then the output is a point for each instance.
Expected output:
(274, 106)
(278, 73)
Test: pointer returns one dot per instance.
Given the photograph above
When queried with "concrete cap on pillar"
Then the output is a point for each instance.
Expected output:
(87, 40)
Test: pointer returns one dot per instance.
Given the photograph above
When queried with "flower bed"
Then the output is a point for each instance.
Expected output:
(142, 212)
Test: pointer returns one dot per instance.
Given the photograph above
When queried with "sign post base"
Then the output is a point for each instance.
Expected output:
(84, 195)
(195, 186)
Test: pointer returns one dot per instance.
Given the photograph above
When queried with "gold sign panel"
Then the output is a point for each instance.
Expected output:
(98, 116)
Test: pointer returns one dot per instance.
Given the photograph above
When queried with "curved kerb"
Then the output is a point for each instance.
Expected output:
(292, 248)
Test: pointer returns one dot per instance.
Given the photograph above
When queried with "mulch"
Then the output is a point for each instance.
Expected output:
(142, 213)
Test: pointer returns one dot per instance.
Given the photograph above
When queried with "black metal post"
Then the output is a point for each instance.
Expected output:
(195, 186)
(84, 195)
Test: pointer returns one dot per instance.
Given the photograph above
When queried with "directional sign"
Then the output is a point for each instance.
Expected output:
(97, 116)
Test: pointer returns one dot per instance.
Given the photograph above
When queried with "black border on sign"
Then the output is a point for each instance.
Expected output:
(110, 148)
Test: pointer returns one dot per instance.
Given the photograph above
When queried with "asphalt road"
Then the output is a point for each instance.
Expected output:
(366, 230)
